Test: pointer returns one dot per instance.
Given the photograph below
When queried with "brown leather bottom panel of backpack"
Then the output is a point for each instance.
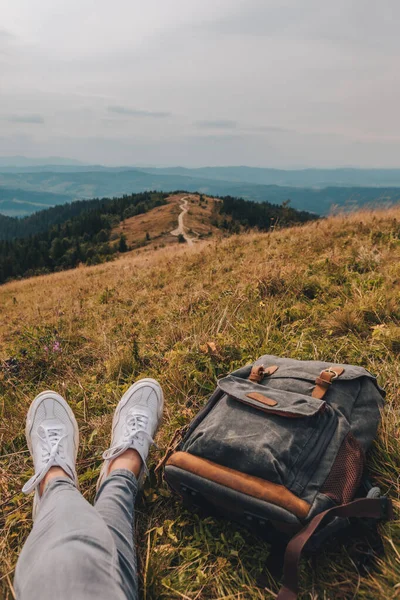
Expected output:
(241, 482)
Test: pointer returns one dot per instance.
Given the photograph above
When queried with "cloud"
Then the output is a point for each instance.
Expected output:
(133, 112)
(219, 138)
(228, 125)
(33, 119)
(253, 81)
(258, 18)
(6, 35)
(272, 129)
(6, 39)
(217, 124)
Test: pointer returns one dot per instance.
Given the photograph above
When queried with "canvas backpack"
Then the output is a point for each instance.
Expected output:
(281, 444)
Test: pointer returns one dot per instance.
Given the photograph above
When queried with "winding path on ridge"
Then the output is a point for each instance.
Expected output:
(180, 230)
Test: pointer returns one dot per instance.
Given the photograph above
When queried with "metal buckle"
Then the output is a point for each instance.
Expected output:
(335, 375)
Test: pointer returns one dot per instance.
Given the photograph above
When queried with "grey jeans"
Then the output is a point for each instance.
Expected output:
(77, 551)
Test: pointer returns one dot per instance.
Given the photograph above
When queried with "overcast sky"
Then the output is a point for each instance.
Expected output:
(281, 83)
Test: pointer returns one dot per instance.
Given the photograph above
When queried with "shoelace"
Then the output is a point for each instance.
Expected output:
(135, 426)
(51, 456)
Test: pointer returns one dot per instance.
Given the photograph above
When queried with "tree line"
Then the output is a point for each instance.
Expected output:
(80, 232)
(15, 227)
(83, 237)
(263, 215)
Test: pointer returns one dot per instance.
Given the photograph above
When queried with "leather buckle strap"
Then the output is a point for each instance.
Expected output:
(372, 508)
(324, 380)
(258, 372)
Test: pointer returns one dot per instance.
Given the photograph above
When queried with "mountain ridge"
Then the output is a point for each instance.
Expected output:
(74, 185)
(308, 176)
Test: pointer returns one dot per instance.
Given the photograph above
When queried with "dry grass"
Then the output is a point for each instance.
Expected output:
(329, 290)
(159, 222)
(202, 210)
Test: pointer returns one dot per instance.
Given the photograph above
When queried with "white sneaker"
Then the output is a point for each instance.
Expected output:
(53, 437)
(135, 422)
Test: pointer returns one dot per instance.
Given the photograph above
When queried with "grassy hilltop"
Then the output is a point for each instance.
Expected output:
(326, 290)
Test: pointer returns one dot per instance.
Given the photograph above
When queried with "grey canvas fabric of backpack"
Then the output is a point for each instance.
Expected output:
(282, 443)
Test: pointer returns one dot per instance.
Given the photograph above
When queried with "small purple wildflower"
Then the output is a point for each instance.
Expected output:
(57, 346)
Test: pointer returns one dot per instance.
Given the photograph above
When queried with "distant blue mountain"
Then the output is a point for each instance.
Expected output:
(297, 178)
(27, 189)
(344, 177)
(23, 161)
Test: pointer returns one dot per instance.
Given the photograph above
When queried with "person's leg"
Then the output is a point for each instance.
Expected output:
(115, 502)
(136, 419)
(70, 552)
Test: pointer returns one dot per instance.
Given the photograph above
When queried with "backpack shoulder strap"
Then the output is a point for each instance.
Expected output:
(372, 508)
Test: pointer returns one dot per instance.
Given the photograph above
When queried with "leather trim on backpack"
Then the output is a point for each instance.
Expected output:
(256, 487)
(261, 398)
(258, 372)
(367, 508)
(324, 380)
(273, 411)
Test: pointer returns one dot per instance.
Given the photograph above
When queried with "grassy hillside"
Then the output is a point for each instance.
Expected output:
(327, 290)
(42, 220)
(84, 238)
(93, 232)
(153, 229)
(205, 217)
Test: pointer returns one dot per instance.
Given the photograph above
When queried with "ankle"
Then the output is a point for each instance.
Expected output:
(130, 460)
(52, 473)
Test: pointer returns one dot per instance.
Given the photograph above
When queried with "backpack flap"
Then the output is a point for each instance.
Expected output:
(272, 401)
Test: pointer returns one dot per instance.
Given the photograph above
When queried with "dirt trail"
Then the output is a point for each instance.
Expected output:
(181, 228)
